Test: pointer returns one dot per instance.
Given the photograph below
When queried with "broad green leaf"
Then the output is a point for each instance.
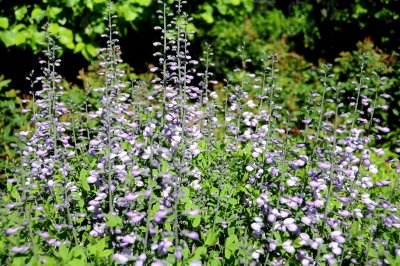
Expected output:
(141, 2)
(231, 242)
(231, 231)
(196, 221)
(62, 21)
(20, 38)
(101, 244)
(20, 12)
(212, 238)
(54, 11)
(232, 201)
(19, 27)
(15, 194)
(66, 37)
(200, 251)
(168, 226)
(71, 3)
(105, 253)
(129, 12)
(8, 38)
(113, 221)
(99, 29)
(228, 253)
(222, 7)
(92, 51)
(38, 14)
(54, 28)
(207, 15)
(78, 47)
(78, 251)
(3, 23)
(63, 252)
(4, 84)
(89, 4)
(235, 2)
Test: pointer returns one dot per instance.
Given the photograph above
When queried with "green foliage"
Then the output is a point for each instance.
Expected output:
(77, 22)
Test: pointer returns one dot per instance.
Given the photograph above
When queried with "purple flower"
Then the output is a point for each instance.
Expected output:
(324, 165)
(128, 239)
(122, 258)
(383, 129)
(274, 171)
(306, 220)
(131, 196)
(192, 212)
(135, 216)
(19, 249)
(258, 225)
(344, 213)
(164, 246)
(178, 254)
(289, 223)
(160, 215)
(11, 231)
(287, 245)
(298, 164)
(191, 234)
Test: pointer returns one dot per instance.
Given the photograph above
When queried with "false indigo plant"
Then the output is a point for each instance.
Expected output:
(187, 170)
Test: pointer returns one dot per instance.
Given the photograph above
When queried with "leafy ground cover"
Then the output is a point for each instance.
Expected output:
(188, 170)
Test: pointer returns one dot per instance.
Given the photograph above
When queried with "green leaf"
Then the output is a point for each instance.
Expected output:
(141, 2)
(235, 2)
(8, 38)
(63, 252)
(105, 253)
(231, 242)
(38, 14)
(196, 221)
(228, 253)
(54, 11)
(200, 251)
(15, 194)
(207, 15)
(20, 13)
(222, 7)
(232, 201)
(4, 84)
(129, 12)
(3, 23)
(71, 3)
(113, 221)
(66, 37)
(83, 177)
(212, 238)
(89, 4)
(54, 28)
(20, 38)
(78, 47)
(231, 231)
(92, 51)
(77, 251)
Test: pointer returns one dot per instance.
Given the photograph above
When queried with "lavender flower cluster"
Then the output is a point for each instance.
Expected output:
(186, 170)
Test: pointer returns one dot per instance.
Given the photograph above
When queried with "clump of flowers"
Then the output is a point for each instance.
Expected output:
(185, 169)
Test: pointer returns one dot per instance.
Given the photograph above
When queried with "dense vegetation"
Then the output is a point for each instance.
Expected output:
(238, 153)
